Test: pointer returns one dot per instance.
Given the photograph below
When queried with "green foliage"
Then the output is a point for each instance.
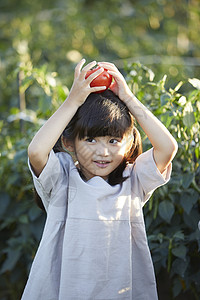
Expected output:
(172, 214)
(20, 220)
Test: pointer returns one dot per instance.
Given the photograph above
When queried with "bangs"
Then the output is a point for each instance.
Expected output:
(101, 115)
(103, 119)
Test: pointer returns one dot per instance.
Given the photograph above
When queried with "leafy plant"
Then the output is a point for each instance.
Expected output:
(21, 222)
(173, 212)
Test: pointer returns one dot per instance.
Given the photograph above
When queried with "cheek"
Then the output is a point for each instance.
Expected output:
(126, 146)
(119, 152)
(83, 152)
(123, 148)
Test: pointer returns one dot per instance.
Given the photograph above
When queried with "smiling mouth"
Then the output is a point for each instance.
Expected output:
(101, 163)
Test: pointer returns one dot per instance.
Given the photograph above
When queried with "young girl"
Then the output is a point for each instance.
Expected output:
(94, 244)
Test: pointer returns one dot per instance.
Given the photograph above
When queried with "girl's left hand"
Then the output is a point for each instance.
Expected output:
(119, 86)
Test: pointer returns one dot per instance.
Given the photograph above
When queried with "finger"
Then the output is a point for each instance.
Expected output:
(113, 73)
(79, 67)
(94, 75)
(98, 89)
(119, 80)
(107, 65)
(116, 75)
(114, 88)
(111, 69)
(113, 85)
(87, 68)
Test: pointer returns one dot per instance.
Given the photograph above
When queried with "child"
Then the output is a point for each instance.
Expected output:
(94, 244)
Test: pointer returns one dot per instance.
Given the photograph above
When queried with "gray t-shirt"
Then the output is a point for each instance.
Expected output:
(94, 244)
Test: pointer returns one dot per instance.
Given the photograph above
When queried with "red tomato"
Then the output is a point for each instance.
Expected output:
(103, 79)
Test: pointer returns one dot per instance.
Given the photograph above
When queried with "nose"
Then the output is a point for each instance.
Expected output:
(102, 150)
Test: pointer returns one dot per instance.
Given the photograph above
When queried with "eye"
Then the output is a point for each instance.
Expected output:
(90, 140)
(114, 141)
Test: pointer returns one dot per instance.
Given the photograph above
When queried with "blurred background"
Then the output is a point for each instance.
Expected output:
(156, 45)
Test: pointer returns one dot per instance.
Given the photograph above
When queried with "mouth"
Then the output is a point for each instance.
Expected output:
(101, 163)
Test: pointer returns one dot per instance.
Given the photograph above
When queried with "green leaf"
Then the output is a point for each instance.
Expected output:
(179, 235)
(12, 257)
(163, 81)
(62, 92)
(179, 266)
(180, 251)
(195, 82)
(23, 219)
(182, 100)
(191, 220)
(195, 236)
(188, 199)
(20, 155)
(178, 86)
(4, 202)
(187, 179)
(45, 103)
(34, 213)
(166, 119)
(188, 115)
(27, 82)
(166, 210)
(177, 287)
(197, 151)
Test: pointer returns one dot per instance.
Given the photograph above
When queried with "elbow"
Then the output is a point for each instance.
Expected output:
(32, 151)
(173, 148)
(35, 154)
(37, 159)
(169, 149)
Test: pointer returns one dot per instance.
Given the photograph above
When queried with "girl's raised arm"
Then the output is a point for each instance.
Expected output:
(49, 133)
(165, 146)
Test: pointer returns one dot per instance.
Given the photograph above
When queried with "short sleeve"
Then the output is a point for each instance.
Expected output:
(48, 181)
(148, 175)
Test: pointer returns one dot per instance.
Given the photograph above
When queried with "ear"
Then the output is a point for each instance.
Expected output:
(67, 145)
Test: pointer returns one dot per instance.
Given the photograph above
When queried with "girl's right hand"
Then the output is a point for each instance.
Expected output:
(81, 87)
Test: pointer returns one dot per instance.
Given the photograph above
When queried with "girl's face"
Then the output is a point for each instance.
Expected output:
(100, 156)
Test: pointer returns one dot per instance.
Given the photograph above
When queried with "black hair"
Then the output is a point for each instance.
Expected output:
(104, 114)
